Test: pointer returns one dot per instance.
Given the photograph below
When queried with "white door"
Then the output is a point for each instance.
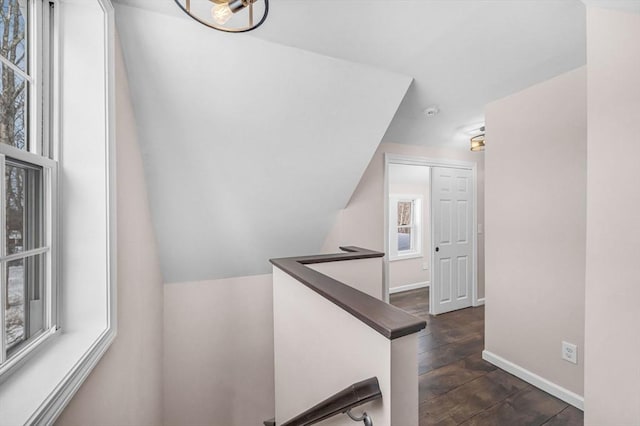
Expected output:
(452, 242)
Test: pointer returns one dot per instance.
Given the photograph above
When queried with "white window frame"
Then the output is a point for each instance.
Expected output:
(417, 233)
(37, 153)
(83, 142)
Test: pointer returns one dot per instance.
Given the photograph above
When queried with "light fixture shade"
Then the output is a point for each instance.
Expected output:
(232, 16)
(477, 143)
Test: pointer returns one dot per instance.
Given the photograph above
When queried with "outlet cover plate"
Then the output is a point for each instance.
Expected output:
(570, 352)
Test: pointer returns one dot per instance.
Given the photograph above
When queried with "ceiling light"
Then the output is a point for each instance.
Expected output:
(218, 15)
(477, 142)
(221, 13)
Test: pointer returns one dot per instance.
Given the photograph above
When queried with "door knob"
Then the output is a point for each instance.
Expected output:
(437, 248)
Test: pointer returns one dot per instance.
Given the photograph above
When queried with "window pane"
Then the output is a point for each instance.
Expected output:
(13, 106)
(24, 207)
(404, 239)
(404, 212)
(24, 315)
(15, 313)
(13, 40)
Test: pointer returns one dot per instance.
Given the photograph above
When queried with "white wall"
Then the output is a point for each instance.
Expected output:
(125, 388)
(83, 209)
(536, 177)
(218, 352)
(321, 349)
(362, 274)
(361, 222)
(407, 273)
(612, 374)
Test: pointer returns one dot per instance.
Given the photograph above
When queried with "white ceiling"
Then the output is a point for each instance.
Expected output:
(462, 54)
(238, 129)
(250, 148)
(627, 6)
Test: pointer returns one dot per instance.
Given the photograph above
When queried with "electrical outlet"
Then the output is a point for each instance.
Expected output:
(570, 352)
(425, 266)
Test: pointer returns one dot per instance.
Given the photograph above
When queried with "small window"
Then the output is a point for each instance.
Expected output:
(405, 234)
(27, 312)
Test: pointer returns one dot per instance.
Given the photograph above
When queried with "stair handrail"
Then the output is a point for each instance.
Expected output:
(340, 403)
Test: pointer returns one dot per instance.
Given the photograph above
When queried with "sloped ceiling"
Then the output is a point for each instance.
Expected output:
(250, 147)
(462, 54)
(253, 142)
(627, 6)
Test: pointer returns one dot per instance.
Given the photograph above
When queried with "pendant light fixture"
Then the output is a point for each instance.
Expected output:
(477, 142)
(232, 16)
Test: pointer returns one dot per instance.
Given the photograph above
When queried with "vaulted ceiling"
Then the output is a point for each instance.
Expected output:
(249, 147)
(253, 142)
(461, 54)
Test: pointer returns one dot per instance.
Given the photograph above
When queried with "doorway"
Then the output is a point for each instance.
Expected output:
(409, 248)
(430, 230)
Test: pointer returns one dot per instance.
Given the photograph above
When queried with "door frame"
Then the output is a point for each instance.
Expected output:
(409, 160)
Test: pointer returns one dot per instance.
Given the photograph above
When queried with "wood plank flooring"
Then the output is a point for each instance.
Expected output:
(457, 387)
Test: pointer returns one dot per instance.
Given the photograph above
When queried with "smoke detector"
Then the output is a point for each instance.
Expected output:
(431, 111)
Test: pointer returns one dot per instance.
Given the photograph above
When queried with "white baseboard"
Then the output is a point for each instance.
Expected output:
(537, 381)
(479, 302)
(408, 287)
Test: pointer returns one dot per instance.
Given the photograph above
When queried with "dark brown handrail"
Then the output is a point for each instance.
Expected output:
(350, 397)
(386, 319)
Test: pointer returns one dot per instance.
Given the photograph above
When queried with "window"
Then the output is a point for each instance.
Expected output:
(80, 253)
(405, 239)
(27, 290)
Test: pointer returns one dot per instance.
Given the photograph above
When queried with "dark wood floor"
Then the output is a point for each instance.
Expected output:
(457, 387)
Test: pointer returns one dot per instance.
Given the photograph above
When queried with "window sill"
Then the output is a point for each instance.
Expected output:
(38, 391)
(413, 255)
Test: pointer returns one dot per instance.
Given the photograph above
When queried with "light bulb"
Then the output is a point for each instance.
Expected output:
(221, 13)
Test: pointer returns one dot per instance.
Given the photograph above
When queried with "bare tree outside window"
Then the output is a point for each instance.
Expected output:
(13, 93)
(405, 225)
(27, 264)
(22, 181)
(404, 213)
(405, 236)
